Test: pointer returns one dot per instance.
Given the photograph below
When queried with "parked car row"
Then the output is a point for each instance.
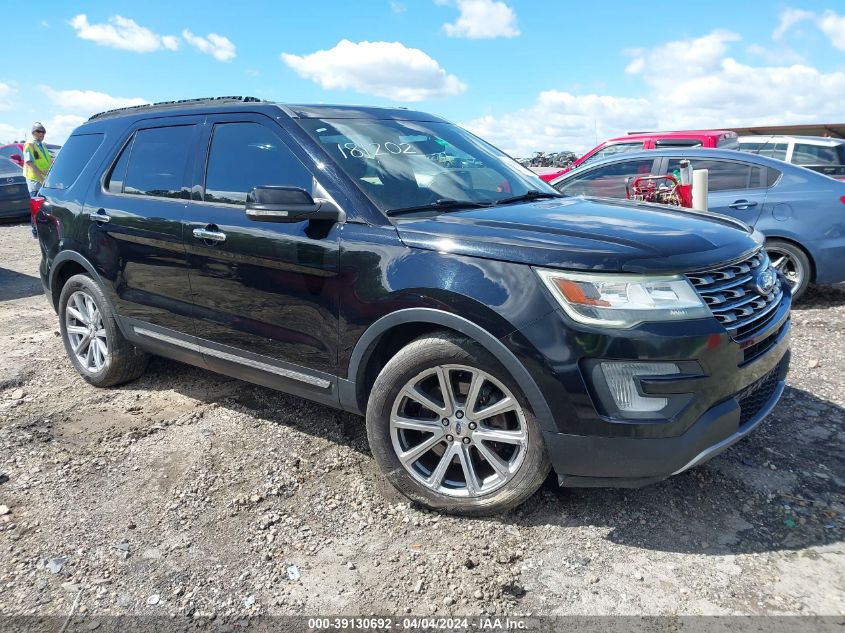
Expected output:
(14, 152)
(801, 212)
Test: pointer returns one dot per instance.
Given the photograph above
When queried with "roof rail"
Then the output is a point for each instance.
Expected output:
(179, 102)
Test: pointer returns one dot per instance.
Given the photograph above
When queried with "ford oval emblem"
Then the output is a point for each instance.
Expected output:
(765, 281)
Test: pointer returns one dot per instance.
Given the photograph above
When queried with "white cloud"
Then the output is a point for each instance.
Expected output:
(60, 126)
(10, 133)
(122, 33)
(833, 25)
(685, 58)
(482, 19)
(89, 101)
(788, 19)
(563, 121)
(220, 48)
(775, 56)
(384, 69)
(6, 92)
(397, 7)
(688, 84)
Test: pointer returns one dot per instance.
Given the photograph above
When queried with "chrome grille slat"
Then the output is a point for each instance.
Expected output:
(730, 291)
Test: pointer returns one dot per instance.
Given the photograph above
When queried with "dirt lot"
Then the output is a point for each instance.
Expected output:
(187, 492)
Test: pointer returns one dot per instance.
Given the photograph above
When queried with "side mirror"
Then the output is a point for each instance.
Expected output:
(289, 204)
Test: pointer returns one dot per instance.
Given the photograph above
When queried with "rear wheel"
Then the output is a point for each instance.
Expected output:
(451, 429)
(92, 340)
(793, 262)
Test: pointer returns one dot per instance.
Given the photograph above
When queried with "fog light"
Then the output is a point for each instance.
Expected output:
(621, 380)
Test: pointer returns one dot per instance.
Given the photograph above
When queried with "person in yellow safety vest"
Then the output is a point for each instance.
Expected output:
(36, 159)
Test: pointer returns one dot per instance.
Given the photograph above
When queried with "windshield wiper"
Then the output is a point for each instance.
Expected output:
(438, 205)
(531, 194)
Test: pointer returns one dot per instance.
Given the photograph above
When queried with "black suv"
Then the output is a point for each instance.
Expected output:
(389, 263)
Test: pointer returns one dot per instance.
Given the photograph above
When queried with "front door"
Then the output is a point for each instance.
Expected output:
(265, 294)
(136, 212)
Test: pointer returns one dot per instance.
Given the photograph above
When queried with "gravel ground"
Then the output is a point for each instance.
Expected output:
(187, 492)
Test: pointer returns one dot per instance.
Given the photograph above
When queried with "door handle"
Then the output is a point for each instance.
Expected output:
(209, 235)
(99, 216)
(743, 204)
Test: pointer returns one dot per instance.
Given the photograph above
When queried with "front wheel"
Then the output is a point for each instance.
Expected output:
(451, 429)
(792, 262)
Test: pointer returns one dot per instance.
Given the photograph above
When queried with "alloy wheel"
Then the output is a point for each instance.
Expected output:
(458, 430)
(789, 266)
(86, 332)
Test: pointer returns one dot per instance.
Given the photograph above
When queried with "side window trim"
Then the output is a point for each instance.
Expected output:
(154, 123)
(109, 171)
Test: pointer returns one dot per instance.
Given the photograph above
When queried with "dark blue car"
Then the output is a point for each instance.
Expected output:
(801, 212)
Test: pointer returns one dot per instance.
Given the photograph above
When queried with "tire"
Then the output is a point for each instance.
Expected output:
(792, 261)
(502, 473)
(107, 358)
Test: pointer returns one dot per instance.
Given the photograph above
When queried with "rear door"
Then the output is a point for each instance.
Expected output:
(136, 210)
(265, 293)
(735, 187)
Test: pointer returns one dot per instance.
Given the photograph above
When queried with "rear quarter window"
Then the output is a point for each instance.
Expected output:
(73, 158)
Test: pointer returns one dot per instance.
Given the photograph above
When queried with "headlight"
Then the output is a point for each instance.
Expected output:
(614, 300)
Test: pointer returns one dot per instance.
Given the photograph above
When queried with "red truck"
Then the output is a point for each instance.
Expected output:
(723, 139)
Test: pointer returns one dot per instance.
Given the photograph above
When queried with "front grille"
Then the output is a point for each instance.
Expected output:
(730, 291)
(754, 397)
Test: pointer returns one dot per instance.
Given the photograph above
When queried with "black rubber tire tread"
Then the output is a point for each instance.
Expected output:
(125, 362)
(798, 253)
(447, 348)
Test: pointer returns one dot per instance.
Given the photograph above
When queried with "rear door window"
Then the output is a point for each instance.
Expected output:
(725, 175)
(607, 181)
(772, 150)
(75, 154)
(157, 162)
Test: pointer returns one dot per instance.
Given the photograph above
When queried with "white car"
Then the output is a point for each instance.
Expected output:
(819, 153)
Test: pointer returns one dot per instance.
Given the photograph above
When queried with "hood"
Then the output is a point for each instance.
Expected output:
(585, 234)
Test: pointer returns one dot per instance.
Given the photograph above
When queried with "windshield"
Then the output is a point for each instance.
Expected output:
(405, 164)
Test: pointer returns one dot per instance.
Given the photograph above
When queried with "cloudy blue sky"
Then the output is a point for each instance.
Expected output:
(525, 74)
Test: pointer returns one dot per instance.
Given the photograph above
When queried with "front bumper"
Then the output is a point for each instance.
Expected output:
(737, 385)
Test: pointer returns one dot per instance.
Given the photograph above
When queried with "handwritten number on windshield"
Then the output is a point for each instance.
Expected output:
(371, 150)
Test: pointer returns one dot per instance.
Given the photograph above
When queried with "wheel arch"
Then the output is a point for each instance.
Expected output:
(65, 265)
(794, 242)
(390, 333)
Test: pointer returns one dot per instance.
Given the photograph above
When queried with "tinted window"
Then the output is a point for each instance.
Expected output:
(772, 150)
(607, 181)
(772, 176)
(7, 152)
(72, 160)
(806, 154)
(114, 183)
(677, 142)
(613, 150)
(248, 155)
(725, 175)
(157, 161)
